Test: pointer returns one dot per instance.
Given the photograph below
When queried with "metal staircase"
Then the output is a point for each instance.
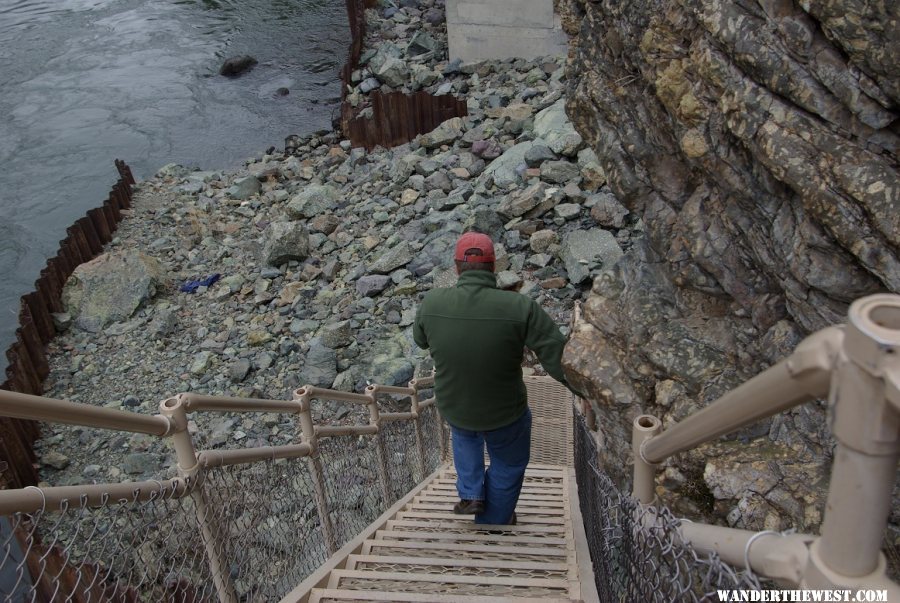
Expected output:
(420, 551)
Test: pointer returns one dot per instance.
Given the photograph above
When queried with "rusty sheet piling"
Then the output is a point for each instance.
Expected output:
(27, 356)
(397, 118)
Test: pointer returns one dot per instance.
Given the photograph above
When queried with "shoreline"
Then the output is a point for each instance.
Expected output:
(378, 229)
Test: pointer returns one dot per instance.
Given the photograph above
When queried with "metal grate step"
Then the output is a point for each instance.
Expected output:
(422, 551)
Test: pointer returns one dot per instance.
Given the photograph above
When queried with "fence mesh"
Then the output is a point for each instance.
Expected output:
(116, 551)
(432, 426)
(264, 526)
(352, 486)
(637, 550)
(399, 439)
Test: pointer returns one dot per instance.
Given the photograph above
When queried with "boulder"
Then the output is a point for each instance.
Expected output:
(140, 463)
(421, 43)
(238, 370)
(110, 288)
(372, 285)
(587, 250)
(507, 279)
(386, 51)
(567, 211)
(487, 149)
(552, 125)
(313, 200)
(285, 241)
(319, 366)
(202, 362)
(504, 168)
(396, 257)
(434, 16)
(541, 241)
(607, 211)
(324, 223)
(487, 221)
(390, 364)
(446, 133)
(337, 335)
(559, 172)
(521, 202)
(392, 72)
(244, 188)
(538, 154)
(235, 66)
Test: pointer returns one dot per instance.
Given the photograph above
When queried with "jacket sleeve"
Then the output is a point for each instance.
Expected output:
(544, 339)
(419, 331)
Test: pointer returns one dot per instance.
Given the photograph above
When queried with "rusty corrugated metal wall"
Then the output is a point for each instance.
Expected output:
(397, 118)
(27, 356)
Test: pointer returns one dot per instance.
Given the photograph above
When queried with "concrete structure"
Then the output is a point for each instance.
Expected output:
(500, 29)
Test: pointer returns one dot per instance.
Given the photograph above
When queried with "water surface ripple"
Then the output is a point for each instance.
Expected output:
(85, 81)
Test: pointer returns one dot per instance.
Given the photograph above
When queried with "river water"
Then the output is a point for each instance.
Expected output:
(85, 81)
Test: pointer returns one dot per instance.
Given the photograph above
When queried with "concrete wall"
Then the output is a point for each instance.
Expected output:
(499, 29)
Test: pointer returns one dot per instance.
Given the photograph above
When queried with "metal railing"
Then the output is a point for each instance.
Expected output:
(232, 525)
(637, 550)
(857, 367)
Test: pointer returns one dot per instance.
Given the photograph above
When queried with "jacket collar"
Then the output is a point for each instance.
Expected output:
(477, 278)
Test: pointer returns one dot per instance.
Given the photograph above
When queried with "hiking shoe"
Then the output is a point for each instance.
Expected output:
(469, 507)
(512, 522)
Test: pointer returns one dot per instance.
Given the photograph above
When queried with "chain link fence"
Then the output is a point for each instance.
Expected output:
(259, 520)
(637, 550)
(116, 551)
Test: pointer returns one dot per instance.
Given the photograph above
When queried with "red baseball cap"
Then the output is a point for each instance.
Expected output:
(471, 241)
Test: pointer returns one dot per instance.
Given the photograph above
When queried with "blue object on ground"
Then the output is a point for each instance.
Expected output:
(191, 286)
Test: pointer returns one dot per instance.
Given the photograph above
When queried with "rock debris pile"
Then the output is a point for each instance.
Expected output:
(323, 255)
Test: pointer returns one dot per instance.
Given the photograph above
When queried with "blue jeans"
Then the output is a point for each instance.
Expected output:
(499, 486)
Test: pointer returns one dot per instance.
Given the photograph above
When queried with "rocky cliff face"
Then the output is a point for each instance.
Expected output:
(756, 144)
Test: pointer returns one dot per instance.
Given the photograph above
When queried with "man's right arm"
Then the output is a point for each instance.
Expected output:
(419, 331)
(545, 339)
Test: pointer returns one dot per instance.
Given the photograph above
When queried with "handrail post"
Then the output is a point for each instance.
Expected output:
(304, 415)
(866, 424)
(380, 451)
(188, 467)
(643, 428)
(417, 423)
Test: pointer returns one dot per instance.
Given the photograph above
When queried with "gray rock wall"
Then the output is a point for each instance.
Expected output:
(757, 141)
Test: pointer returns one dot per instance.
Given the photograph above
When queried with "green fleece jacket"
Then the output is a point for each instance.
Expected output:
(477, 334)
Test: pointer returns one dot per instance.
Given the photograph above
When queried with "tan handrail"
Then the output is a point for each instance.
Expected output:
(324, 431)
(197, 402)
(172, 422)
(777, 556)
(37, 408)
(222, 458)
(858, 367)
(32, 498)
(803, 376)
(330, 394)
(388, 417)
(422, 382)
(390, 389)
